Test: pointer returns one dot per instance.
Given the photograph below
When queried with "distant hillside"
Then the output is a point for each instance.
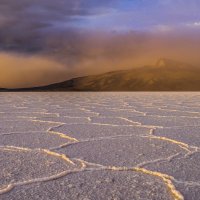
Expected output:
(166, 75)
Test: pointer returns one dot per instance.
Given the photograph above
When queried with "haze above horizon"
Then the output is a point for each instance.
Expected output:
(46, 41)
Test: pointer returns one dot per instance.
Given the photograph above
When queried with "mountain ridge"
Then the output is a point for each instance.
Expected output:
(165, 75)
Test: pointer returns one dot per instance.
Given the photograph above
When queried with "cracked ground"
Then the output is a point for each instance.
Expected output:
(99, 146)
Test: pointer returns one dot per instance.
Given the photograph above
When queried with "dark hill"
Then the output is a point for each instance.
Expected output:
(166, 75)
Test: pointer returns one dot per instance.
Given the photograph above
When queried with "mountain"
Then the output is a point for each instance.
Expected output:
(165, 75)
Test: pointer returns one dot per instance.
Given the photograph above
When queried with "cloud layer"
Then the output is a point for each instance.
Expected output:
(91, 36)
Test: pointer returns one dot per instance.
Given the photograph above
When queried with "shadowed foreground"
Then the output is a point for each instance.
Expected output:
(99, 146)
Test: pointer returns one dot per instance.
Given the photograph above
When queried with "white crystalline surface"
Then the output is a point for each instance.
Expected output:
(99, 146)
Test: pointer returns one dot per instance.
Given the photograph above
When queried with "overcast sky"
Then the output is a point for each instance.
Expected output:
(93, 36)
(108, 15)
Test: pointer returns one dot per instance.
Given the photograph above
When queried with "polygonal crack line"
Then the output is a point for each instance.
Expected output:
(20, 132)
(173, 110)
(61, 135)
(190, 148)
(166, 179)
(172, 116)
(50, 131)
(22, 149)
(182, 145)
(63, 157)
(92, 140)
(21, 113)
(186, 147)
(55, 132)
(139, 124)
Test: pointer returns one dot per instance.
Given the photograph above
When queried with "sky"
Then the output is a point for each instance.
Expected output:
(49, 41)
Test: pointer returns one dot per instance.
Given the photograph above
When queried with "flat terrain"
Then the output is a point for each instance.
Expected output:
(99, 146)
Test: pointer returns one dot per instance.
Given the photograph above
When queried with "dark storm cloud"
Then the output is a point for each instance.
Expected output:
(25, 23)
(28, 25)
(49, 26)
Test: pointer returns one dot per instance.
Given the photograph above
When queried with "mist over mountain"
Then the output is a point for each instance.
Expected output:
(47, 41)
(165, 75)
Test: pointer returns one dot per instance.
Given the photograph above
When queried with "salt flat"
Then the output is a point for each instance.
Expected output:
(99, 146)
